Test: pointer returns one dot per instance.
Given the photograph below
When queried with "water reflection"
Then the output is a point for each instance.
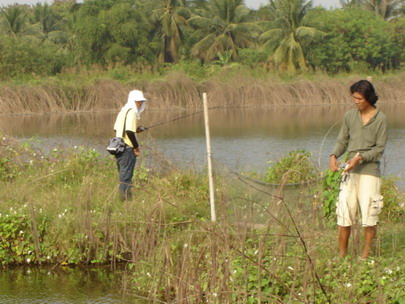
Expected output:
(67, 285)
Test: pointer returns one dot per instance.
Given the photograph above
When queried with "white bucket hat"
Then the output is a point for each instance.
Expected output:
(136, 95)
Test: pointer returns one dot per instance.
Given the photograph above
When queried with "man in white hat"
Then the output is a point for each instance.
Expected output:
(126, 126)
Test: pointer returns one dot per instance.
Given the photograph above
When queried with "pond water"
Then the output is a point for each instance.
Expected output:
(101, 285)
(242, 138)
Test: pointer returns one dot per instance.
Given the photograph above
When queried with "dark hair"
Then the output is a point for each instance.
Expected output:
(365, 88)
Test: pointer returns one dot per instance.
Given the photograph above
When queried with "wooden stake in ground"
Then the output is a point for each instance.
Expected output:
(208, 139)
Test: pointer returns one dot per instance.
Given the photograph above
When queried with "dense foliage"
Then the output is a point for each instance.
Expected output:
(44, 40)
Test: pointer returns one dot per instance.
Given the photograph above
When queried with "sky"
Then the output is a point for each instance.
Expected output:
(254, 4)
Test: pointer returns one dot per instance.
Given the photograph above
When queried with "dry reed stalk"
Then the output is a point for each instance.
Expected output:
(179, 91)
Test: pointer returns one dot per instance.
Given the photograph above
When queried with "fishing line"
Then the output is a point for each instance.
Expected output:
(177, 118)
(323, 141)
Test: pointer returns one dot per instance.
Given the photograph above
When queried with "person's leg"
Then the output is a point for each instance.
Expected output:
(126, 165)
(343, 238)
(346, 209)
(370, 204)
(369, 234)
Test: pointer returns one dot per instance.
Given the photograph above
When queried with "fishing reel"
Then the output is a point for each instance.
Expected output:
(141, 129)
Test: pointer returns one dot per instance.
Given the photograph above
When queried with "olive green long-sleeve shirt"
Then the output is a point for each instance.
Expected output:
(369, 140)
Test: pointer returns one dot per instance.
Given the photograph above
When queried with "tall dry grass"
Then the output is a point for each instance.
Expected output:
(266, 247)
(179, 91)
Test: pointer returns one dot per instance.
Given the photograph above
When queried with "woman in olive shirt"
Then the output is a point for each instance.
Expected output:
(363, 136)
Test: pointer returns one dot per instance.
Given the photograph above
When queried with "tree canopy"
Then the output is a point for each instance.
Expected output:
(292, 35)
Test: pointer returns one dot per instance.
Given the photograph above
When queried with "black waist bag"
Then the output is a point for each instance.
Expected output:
(116, 145)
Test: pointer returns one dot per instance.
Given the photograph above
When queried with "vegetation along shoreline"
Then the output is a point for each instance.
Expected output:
(179, 91)
(63, 209)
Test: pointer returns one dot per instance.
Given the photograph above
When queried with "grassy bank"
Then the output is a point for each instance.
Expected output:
(104, 90)
(62, 208)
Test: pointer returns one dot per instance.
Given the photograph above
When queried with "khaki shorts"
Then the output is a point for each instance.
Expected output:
(359, 194)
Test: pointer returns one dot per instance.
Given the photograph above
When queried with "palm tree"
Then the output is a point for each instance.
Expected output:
(288, 33)
(222, 26)
(14, 19)
(384, 8)
(44, 16)
(350, 3)
(170, 18)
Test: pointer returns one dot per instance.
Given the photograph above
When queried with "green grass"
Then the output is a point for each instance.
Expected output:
(63, 209)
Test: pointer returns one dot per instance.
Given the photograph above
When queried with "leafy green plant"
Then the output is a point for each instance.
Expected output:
(296, 167)
(330, 192)
(16, 237)
(77, 165)
(394, 202)
(7, 170)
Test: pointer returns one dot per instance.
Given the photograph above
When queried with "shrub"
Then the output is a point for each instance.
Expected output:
(296, 167)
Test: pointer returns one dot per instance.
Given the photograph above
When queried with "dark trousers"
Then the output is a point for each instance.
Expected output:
(126, 165)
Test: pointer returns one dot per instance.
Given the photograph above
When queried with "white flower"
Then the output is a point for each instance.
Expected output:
(60, 215)
(289, 267)
(75, 147)
(348, 285)
(28, 261)
(371, 262)
(148, 274)
(214, 294)
(55, 150)
(185, 245)
(256, 252)
(48, 257)
(387, 270)
(21, 232)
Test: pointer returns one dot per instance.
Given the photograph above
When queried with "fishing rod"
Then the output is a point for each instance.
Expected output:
(140, 129)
